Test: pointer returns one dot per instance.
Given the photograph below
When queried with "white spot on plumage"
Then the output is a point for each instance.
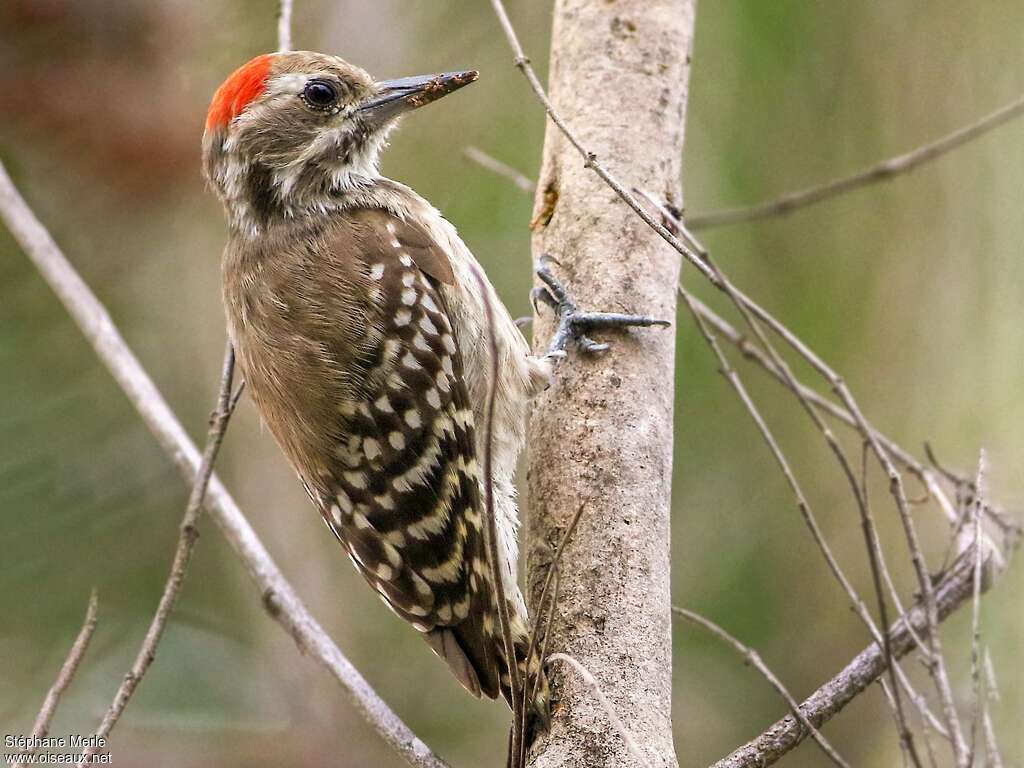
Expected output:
(376, 271)
(344, 502)
(448, 571)
(393, 555)
(444, 612)
(385, 501)
(391, 227)
(443, 424)
(461, 609)
(449, 343)
(396, 537)
(422, 588)
(446, 366)
(428, 326)
(412, 418)
(443, 383)
(409, 296)
(385, 571)
(433, 398)
(371, 448)
(403, 317)
(420, 627)
(428, 303)
(409, 361)
(355, 479)
(361, 521)
(336, 515)
(408, 279)
(383, 405)
(405, 260)
(396, 440)
(420, 343)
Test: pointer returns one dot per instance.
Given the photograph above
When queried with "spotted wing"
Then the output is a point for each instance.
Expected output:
(404, 499)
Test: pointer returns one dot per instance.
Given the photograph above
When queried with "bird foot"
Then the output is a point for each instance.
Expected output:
(574, 325)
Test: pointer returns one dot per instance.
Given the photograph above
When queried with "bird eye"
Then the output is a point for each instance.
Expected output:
(319, 94)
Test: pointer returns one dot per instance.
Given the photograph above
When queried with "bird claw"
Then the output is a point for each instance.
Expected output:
(573, 324)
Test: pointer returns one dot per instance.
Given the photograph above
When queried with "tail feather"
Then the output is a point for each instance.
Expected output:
(476, 657)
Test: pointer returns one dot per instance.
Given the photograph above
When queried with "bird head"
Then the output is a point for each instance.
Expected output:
(293, 132)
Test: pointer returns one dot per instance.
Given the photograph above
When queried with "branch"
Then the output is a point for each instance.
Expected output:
(883, 171)
(41, 727)
(951, 591)
(279, 598)
(495, 165)
(182, 556)
(754, 658)
(284, 26)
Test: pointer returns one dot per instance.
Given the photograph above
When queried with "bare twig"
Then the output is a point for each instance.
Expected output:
(515, 685)
(548, 615)
(936, 662)
(591, 682)
(590, 160)
(284, 25)
(753, 658)
(495, 165)
(41, 727)
(955, 588)
(182, 556)
(976, 680)
(995, 757)
(883, 171)
(876, 559)
(279, 598)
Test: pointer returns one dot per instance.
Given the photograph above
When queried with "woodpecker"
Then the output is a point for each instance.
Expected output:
(363, 339)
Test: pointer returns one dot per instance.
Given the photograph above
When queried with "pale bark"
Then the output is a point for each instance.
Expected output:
(602, 435)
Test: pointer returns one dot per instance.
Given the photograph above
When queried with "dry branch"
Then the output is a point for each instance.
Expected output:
(883, 171)
(752, 657)
(41, 727)
(182, 556)
(278, 596)
(951, 591)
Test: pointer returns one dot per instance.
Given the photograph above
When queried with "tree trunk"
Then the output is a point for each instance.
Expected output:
(602, 435)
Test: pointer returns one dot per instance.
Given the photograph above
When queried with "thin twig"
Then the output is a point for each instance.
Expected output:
(41, 727)
(876, 560)
(936, 661)
(992, 753)
(284, 26)
(590, 160)
(883, 171)
(591, 682)
(976, 683)
(754, 658)
(548, 616)
(495, 165)
(515, 685)
(955, 588)
(278, 596)
(182, 556)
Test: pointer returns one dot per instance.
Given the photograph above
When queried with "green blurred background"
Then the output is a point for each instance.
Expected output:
(913, 290)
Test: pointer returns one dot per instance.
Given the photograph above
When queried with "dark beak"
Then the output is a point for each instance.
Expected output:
(396, 97)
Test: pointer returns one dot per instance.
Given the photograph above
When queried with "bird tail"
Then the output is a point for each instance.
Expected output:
(475, 653)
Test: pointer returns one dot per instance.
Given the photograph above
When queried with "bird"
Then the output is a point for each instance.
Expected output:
(359, 326)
